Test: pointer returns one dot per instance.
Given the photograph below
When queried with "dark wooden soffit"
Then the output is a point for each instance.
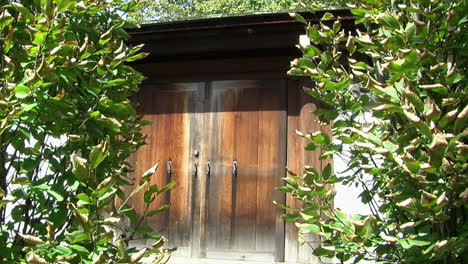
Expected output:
(249, 36)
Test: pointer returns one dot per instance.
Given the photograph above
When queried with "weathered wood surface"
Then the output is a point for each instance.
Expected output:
(247, 120)
(219, 214)
(168, 107)
(232, 68)
(301, 117)
(198, 183)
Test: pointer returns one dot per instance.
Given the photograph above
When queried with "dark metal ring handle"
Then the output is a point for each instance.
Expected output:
(169, 167)
(208, 170)
(195, 170)
(234, 168)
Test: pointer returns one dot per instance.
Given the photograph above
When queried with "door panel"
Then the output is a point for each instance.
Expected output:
(168, 107)
(247, 120)
(218, 212)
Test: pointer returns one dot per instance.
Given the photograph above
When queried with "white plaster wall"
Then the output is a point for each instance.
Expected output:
(347, 196)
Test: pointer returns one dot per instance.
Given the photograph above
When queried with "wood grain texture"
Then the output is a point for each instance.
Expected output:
(301, 117)
(247, 120)
(168, 108)
(271, 163)
(197, 186)
(246, 154)
(232, 68)
(251, 122)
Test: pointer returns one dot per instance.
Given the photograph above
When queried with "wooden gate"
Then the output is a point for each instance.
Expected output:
(224, 144)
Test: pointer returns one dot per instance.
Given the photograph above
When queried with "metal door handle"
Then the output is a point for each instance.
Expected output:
(169, 169)
(168, 179)
(234, 168)
(208, 170)
(195, 170)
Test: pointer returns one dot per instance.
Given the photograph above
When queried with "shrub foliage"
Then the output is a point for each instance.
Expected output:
(67, 128)
(405, 136)
(167, 10)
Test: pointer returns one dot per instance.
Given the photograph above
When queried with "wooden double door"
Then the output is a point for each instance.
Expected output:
(224, 145)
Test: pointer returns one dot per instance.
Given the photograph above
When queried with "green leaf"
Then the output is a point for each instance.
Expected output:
(313, 33)
(390, 146)
(130, 214)
(80, 249)
(115, 82)
(148, 196)
(324, 251)
(311, 51)
(290, 217)
(290, 181)
(310, 228)
(412, 57)
(390, 21)
(63, 251)
(327, 114)
(65, 5)
(413, 166)
(285, 189)
(437, 88)
(397, 66)
(410, 31)
(327, 171)
(419, 243)
(21, 91)
(158, 211)
(139, 56)
(83, 198)
(107, 194)
(167, 187)
(58, 197)
(310, 146)
(342, 216)
(24, 11)
(106, 36)
(298, 18)
(79, 238)
(319, 139)
(39, 37)
(327, 16)
(99, 153)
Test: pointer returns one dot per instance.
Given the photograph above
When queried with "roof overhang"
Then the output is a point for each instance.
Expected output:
(255, 35)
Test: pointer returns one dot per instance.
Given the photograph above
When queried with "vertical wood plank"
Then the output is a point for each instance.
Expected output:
(271, 163)
(213, 182)
(168, 107)
(248, 124)
(246, 154)
(301, 117)
(221, 119)
(281, 163)
(291, 245)
(227, 100)
(196, 143)
(178, 126)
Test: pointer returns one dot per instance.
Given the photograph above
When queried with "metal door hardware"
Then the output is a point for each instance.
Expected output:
(208, 170)
(168, 176)
(169, 168)
(234, 168)
(195, 170)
